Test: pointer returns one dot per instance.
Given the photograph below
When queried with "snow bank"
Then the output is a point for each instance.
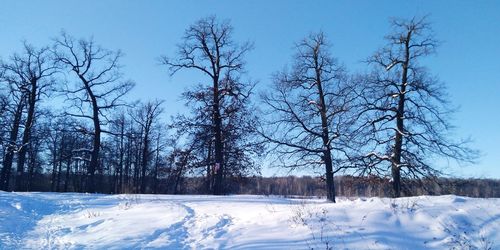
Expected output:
(82, 221)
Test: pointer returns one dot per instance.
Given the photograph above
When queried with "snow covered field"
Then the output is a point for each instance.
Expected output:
(83, 221)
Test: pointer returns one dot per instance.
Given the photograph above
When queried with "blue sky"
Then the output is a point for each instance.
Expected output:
(467, 61)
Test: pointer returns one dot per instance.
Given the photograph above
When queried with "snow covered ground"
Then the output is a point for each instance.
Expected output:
(84, 221)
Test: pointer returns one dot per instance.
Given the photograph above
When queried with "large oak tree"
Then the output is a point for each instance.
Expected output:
(310, 111)
(99, 88)
(221, 106)
(407, 108)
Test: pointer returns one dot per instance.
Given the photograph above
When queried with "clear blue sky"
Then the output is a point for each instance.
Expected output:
(468, 60)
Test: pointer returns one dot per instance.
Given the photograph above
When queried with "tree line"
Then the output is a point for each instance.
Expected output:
(367, 186)
(391, 121)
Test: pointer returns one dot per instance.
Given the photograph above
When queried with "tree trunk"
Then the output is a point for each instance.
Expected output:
(54, 165)
(396, 181)
(31, 168)
(120, 167)
(157, 162)
(96, 144)
(398, 141)
(137, 165)
(330, 185)
(128, 162)
(325, 136)
(59, 169)
(208, 161)
(94, 160)
(7, 162)
(26, 136)
(68, 169)
(219, 158)
(145, 156)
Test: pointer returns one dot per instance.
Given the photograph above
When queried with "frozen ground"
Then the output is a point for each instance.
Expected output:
(83, 221)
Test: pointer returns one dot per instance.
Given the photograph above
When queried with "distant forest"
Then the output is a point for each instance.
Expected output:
(295, 187)
(379, 132)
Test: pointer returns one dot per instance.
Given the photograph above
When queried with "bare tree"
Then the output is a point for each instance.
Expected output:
(35, 151)
(147, 115)
(208, 48)
(100, 87)
(407, 108)
(131, 155)
(117, 127)
(32, 73)
(160, 145)
(309, 111)
(180, 162)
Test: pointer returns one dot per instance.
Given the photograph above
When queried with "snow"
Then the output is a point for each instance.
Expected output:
(389, 67)
(83, 221)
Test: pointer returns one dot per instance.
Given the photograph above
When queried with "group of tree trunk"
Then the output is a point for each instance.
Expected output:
(392, 122)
